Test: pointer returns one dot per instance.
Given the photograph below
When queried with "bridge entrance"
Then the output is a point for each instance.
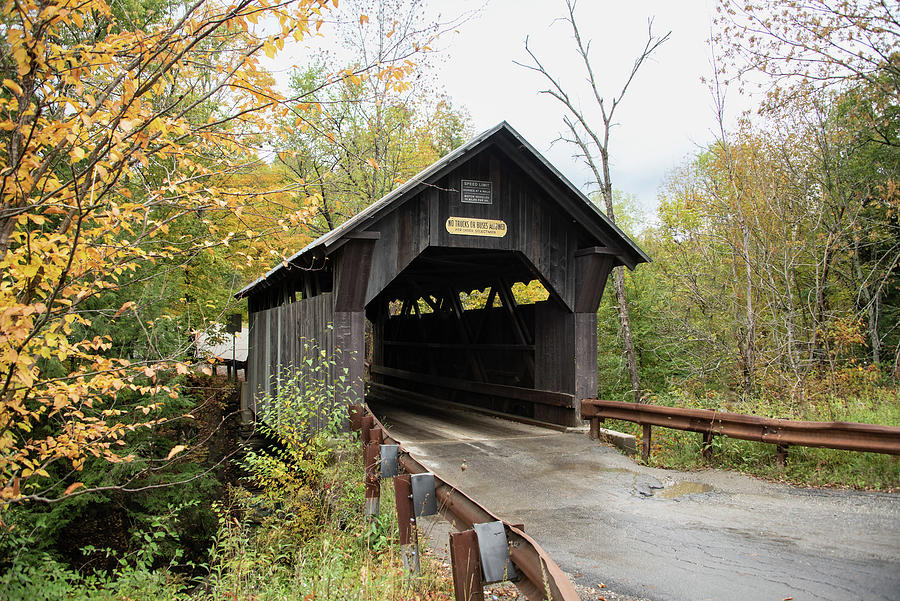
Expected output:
(478, 282)
(467, 326)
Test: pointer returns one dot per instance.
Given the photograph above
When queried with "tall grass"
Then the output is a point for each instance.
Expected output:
(677, 449)
(277, 552)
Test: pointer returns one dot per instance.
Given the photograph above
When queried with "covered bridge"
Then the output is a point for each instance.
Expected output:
(490, 214)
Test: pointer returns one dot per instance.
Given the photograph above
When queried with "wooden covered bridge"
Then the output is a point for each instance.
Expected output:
(490, 214)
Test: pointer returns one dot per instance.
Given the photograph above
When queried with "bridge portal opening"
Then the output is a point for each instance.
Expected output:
(464, 325)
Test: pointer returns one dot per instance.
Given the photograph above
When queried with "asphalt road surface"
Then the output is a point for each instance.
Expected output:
(708, 535)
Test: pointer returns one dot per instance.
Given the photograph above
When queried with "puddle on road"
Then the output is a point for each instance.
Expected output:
(680, 489)
(574, 469)
(617, 470)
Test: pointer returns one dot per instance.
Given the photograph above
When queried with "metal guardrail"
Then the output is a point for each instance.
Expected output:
(541, 578)
(781, 432)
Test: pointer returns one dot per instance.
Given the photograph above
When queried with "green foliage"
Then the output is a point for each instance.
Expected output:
(127, 540)
(312, 540)
(776, 271)
(650, 298)
(304, 423)
(137, 575)
(371, 134)
(299, 531)
(677, 449)
(342, 558)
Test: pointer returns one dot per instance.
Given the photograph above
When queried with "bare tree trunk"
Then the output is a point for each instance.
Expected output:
(791, 325)
(897, 363)
(871, 304)
(733, 199)
(820, 309)
(594, 141)
(631, 362)
(749, 383)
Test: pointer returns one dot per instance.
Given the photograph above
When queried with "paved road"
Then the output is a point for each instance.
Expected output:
(705, 535)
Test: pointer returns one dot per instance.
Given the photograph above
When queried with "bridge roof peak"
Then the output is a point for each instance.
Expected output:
(505, 139)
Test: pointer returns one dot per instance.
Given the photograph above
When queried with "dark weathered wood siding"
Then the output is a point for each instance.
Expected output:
(537, 227)
(281, 341)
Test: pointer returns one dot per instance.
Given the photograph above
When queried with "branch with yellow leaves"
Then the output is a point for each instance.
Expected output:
(117, 163)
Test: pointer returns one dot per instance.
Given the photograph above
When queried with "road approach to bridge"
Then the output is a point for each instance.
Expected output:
(659, 534)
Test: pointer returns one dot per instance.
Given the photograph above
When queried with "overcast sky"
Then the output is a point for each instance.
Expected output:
(666, 115)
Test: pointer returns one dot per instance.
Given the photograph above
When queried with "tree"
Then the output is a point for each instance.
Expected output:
(812, 44)
(833, 74)
(662, 358)
(782, 244)
(593, 143)
(371, 134)
(121, 140)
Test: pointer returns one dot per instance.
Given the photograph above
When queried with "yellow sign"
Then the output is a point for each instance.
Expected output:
(469, 226)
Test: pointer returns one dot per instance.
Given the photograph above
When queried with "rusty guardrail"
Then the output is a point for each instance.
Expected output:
(540, 577)
(781, 432)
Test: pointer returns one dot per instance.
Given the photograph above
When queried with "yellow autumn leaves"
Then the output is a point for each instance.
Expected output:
(108, 140)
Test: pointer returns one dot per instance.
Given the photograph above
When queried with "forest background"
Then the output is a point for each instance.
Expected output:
(151, 166)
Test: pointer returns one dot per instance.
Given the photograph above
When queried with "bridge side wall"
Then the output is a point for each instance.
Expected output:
(282, 339)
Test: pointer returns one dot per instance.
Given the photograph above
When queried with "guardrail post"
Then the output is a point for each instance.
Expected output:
(594, 433)
(465, 563)
(781, 453)
(645, 443)
(706, 446)
(366, 424)
(406, 522)
(356, 414)
(373, 482)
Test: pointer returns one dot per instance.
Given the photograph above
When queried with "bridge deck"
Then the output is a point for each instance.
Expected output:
(713, 535)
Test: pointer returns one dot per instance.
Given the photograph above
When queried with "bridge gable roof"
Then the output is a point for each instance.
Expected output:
(510, 143)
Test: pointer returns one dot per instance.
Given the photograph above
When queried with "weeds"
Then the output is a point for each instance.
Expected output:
(311, 540)
(342, 558)
(296, 531)
(676, 449)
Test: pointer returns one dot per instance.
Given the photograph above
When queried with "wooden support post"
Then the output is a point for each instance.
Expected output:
(781, 454)
(406, 308)
(423, 335)
(465, 563)
(595, 428)
(706, 446)
(406, 522)
(466, 336)
(373, 481)
(350, 282)
(519, 327)
(645, 444)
